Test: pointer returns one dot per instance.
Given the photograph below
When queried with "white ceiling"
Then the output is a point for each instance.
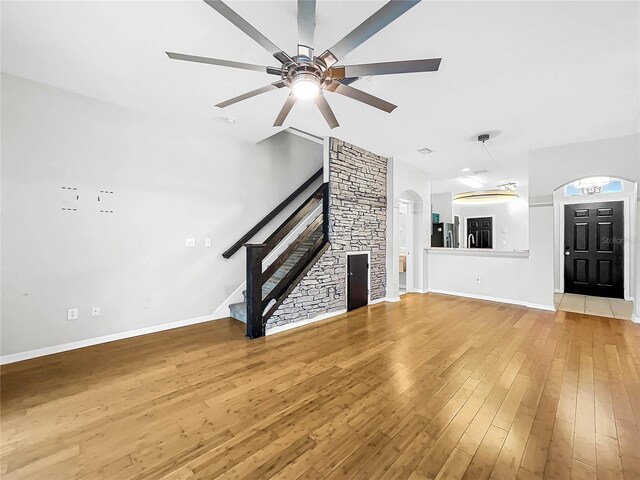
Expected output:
(533, 73)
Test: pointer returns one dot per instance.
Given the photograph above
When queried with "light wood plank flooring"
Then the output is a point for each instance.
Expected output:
(431, 387)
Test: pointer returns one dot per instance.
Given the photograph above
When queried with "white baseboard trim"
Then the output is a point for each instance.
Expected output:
(418, 290)
(379, 300)
(537, 306)
(635, 318)
(557, 290)
(302, 323)
(65, 347)
(392, 299)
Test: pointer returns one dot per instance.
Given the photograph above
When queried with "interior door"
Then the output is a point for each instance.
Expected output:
(357, 281)
(480, 232)
(594, 249)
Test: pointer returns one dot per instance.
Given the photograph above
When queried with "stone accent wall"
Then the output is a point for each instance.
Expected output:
(357, 222)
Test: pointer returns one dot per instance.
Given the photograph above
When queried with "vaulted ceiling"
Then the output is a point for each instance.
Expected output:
(533, 73)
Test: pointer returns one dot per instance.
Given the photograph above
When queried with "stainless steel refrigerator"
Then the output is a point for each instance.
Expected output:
(443, 235)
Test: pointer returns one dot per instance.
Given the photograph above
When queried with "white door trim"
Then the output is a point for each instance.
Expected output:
(409, 285)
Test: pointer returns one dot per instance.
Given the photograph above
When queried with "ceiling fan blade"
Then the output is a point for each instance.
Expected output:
(224, 63)
(326, 111)
(286, 108)
(306, 23)
(252, 93)
(361, 96)
(387, 68)
(367, 29)
(348, 80)
(228, 13)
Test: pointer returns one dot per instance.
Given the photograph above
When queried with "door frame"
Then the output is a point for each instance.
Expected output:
(346, 276)
(493, 230)
(626, 246)
(410, 246)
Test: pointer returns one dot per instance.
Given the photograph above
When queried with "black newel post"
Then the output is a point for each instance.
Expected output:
(255, 253)
(325, 212)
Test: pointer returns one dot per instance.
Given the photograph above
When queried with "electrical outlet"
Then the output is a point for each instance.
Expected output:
(95, 311)
(145, 303)
(477, 278)
(207, 242)
(190, 242)
(72, 314)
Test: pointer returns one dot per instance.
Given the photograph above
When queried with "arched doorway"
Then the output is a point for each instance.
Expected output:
(409, 228)
(593, 252)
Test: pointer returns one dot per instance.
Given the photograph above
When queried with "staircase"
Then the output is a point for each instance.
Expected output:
(239, 310)
(268, 285)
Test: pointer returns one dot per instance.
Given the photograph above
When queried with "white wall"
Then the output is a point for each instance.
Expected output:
(441, 204)
(510, 222)
(171, 181)
(552, 167)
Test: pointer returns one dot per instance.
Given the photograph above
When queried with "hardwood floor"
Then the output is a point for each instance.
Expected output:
(432, 387)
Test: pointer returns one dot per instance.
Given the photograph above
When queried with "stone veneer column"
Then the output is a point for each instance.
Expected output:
(357, 222)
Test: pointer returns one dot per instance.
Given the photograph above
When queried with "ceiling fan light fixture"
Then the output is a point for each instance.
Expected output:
(305, 86)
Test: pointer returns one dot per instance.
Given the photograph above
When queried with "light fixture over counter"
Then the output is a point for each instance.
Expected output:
(483, 197)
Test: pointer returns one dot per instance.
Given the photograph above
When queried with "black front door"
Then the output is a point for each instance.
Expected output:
(357, 281)
(594, 249)
(480, 232)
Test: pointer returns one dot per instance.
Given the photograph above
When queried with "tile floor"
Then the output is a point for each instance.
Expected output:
(604, 307)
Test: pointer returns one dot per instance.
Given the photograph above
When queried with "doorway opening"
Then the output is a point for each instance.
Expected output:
(409, 242)
(593, 252)
(479, 232)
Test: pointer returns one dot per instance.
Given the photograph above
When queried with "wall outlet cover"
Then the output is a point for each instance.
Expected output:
(145, 303)
(72, 314)
(207, 242)
(95, 311)
(190, 242)
(477, 278)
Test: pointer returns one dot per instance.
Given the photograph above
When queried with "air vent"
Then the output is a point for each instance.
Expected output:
(479, 172)
(425, 151)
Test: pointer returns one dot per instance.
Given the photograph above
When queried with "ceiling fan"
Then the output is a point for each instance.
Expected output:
(308, 76)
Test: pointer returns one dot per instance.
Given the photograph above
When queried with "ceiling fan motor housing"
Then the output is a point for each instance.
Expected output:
(303, 71)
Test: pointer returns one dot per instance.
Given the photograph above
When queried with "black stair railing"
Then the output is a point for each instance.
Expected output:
(271, 215)
(294, 262)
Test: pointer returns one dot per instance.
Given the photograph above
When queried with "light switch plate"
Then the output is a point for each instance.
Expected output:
(72, 314)
(207, 242)
(190, 242)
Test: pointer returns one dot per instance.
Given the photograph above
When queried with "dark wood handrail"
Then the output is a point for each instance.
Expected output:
(296, 217)
(278, 262)
(262, 223)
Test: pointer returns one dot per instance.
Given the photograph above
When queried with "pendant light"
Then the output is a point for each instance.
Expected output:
(505, 193)
(484, 197)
